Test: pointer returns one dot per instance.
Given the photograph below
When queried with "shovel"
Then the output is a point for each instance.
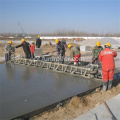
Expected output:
(91, 62)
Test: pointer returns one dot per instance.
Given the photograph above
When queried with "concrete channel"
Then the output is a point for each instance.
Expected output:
(25, 89)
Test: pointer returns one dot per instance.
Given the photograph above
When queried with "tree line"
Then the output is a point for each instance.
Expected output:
(63, 33)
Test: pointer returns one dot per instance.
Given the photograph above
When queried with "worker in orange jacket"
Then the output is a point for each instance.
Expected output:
(108, 65)
(32, 48)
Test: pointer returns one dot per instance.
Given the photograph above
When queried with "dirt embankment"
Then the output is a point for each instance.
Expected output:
(78, 105)
(47, 49)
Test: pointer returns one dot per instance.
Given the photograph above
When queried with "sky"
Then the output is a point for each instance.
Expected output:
(48, 16)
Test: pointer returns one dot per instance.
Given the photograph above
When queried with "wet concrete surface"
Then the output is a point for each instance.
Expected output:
(24, 89)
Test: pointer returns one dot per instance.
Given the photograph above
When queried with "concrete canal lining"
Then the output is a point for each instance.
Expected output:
(24, 89)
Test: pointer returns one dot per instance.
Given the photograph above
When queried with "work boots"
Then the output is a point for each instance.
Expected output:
(79, 64)
(109, 84)
(105, 86)
(75, 63)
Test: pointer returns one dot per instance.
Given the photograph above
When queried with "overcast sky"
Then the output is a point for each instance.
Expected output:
(47, 16)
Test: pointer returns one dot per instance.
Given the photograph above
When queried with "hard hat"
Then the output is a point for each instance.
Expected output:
(33, 42)
(69, 46)
(108, 44)
(38, 36)
(23, 40)
(98, 43)
(10, 42)
(57, 41)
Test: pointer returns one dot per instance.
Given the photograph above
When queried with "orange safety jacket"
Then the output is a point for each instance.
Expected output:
(32, 48)
(107, 58)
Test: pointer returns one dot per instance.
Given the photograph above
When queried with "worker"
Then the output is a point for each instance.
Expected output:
(108, 65)
(26, 47)
(8, 49)
(75, 52)
(38, 42)
(32, 48)
(96, 51)
(60, 49)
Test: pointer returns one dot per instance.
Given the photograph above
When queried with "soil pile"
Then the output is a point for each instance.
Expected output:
(103, 41)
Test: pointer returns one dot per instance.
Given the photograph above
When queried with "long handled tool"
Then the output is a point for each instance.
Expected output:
(69, 62)
(91, 62)
(112, 116)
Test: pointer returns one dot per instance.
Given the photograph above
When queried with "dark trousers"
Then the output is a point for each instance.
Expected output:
(28, 55)
(38, 46)
(62, 56)
(32, 56)
(7, 57)
(96, 61)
